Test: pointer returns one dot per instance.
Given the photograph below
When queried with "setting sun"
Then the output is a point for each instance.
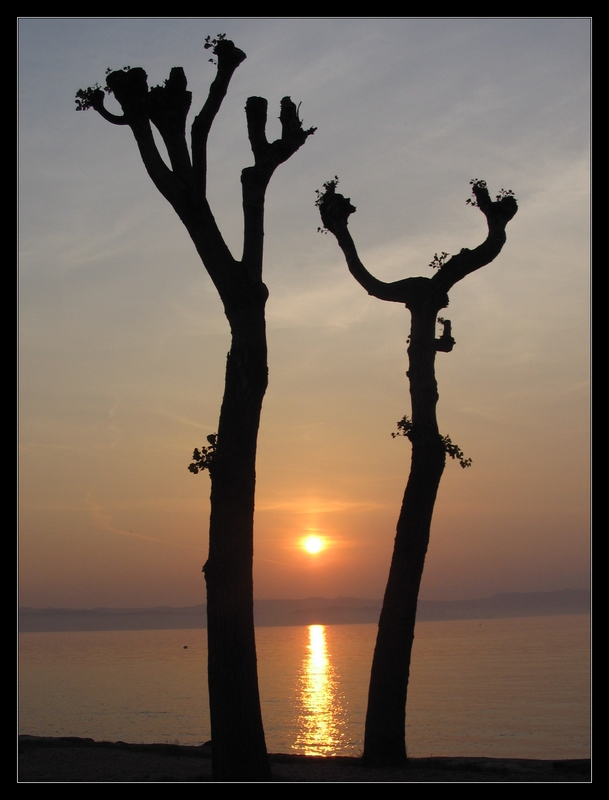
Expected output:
(313, 544)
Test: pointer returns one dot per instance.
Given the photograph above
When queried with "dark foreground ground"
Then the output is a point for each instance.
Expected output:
(43, 759)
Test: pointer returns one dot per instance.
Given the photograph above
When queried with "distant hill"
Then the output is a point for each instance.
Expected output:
(310, 611)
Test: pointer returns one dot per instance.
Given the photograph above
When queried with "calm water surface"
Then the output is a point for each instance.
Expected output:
(514, 688)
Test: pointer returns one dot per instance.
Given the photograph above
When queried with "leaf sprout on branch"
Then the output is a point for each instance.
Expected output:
(480, 184)
(86, 97)
(213, 43)
(404, 427)
(329, 187)
(203, 459)
(438, 260)
(454, 451)
(471, 201)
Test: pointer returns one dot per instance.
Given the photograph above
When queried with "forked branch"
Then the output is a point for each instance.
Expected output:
(267, 157)
(335, 211)
(184, 184)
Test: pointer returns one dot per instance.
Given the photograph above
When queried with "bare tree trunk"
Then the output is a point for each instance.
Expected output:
(384, 741)
(238, 745)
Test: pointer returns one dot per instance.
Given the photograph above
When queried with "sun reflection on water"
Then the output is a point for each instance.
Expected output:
(321, 717)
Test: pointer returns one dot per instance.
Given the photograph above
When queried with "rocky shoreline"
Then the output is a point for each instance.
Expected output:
(45, 759)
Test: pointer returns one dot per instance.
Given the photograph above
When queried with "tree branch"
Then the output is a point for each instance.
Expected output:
(93, 97)
(293, 135)
(229, 57)
(169, 106)
(267, 157)
(184, 186)
(498, 213)
(335, 211)
(130, 88)
(256, 114)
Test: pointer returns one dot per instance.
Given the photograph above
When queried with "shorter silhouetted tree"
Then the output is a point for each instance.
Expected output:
(385, 741)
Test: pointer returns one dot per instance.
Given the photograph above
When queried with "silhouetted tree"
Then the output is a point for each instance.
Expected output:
(238, 749)
(384, 741)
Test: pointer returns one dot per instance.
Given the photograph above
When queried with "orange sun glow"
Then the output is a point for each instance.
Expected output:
(313, 544)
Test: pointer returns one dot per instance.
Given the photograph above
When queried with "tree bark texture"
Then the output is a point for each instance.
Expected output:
(385, 731)
(238, 744)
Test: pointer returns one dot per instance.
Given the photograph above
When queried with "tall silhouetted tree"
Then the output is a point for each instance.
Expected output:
(384, 741)
(238, 745)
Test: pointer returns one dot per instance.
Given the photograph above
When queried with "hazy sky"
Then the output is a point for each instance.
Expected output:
(123, 339)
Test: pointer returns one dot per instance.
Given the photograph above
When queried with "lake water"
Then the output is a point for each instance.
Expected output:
(516, 688)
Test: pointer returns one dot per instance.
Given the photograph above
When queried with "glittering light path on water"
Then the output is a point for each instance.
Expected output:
(321, 718)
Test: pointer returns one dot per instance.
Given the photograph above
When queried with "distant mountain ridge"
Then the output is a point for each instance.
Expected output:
(309, 611)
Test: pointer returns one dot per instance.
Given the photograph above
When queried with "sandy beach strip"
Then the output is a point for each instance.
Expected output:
(73, 760)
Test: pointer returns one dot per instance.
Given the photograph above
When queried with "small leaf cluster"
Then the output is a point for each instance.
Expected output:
(329, 187)
(211, 44)
(203, 459)
(471, 201)
(84, 97)
(404, 427)
(454, 451)
(503, 193)
(438, 260)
